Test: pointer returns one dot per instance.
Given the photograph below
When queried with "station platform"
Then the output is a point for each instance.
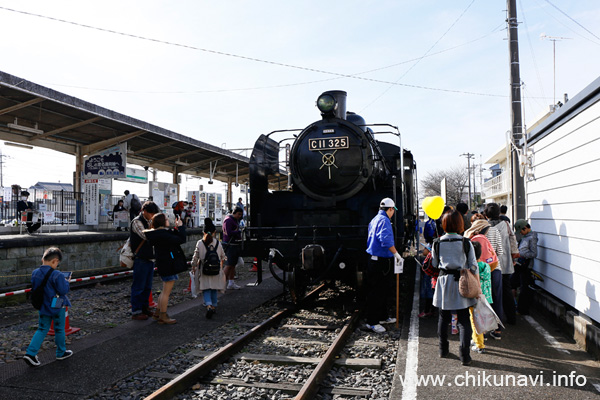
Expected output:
(113, 354)
(533, 360)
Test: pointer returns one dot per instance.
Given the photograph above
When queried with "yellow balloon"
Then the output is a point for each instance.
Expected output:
(433, 206)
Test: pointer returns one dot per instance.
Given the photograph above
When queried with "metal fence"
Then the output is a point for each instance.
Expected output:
(67, 206)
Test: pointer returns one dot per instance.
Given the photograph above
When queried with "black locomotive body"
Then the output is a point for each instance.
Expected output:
(314, 225)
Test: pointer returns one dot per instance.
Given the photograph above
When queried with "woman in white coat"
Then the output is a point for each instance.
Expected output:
(210, 282)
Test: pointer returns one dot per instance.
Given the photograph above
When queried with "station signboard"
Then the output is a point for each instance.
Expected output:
(135, 175)
(91, 205)
(107, 164)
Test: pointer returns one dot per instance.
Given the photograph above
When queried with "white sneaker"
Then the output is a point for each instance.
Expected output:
(388, 321)
(233, 286)
(66, 354)
(32, 360)
(376, 328)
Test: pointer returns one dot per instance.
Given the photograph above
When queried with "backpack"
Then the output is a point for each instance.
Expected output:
(136, 206)
(212, 263)
(488, 254)
(466, 247)
(37, 295)
(429, 230)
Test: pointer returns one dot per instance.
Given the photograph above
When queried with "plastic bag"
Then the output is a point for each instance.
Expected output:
(126, 255)
(194, 284)
(484, 317)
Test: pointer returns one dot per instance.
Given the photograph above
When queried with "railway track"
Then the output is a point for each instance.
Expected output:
(218, 368)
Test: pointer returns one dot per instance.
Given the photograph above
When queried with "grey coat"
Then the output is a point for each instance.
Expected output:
(509, 245)
(528, 246)
(452, 257)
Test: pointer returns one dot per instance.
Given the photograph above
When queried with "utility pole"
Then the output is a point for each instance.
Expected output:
(518, 187)
(469, 157)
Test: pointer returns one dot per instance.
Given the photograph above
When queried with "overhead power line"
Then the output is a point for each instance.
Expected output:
(497, 29)
(568, 16)
(254, 59)
(420, 58)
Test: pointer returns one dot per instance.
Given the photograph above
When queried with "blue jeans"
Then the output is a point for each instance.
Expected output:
(44, 323)
(210, 297)
(143, 273)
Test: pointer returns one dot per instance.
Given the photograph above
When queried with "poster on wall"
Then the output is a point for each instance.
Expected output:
(193, 200)
(218, 209)
(121, 219)
(105, 189)
(109, 163)
(91, 202)
(158, 197)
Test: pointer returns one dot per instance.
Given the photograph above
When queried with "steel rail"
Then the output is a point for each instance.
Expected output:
(193, 375)
(311, 387)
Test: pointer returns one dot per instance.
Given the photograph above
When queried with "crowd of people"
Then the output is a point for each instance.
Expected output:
(155, 244)
(483, 242)
(486, 244)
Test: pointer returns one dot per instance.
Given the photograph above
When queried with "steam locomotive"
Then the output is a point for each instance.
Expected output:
(313, 224)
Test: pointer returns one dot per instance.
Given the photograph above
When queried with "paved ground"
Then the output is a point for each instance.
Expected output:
(541, 368)
(108, 356)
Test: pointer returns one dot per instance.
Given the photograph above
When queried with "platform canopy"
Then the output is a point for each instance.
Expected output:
(34, 115)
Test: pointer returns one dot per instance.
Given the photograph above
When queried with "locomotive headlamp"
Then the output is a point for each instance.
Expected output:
(326, 103)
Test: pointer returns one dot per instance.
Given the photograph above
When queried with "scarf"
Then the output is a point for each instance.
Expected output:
(476, 227)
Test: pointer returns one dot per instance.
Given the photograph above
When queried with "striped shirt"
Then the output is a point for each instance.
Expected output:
(493, 235)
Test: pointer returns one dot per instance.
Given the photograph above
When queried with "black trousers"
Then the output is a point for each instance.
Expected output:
(464, 329)
(508, 300)
(378, 275)
(522, 279)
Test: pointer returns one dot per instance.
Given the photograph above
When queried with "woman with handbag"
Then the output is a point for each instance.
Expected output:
(450, 254)
(170, 259)
(207, 265)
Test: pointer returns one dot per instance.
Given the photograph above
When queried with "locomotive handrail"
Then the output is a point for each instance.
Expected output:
(397, 133)
(283, 130)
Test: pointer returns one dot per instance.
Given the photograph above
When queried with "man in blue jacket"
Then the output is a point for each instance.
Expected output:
(381, 248)
(56, 285)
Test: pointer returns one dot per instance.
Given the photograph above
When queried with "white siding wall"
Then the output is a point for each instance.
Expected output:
(563, 205)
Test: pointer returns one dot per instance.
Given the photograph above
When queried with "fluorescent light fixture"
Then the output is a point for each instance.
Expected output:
(182, 163)
(23, 146)
(18, 127)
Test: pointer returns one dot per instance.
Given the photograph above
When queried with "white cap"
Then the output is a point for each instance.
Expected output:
(387, 202)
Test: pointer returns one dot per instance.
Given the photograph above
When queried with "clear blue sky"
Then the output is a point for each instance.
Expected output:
(448, 62)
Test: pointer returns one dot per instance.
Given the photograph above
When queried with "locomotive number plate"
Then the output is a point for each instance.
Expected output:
(334, 143)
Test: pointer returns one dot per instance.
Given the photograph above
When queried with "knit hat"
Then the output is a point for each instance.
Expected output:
(209, 227)
(520, 224)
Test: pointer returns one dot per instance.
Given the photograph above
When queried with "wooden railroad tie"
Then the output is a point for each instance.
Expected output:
(284, 387)
(354, 363)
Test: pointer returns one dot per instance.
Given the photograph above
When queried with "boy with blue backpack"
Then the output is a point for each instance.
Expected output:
(55, 287)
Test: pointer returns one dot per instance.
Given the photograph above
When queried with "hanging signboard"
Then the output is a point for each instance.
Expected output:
(91, 202)
(109, 163)
(135, 175)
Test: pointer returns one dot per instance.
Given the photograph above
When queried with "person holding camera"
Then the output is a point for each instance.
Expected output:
(170, 259)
